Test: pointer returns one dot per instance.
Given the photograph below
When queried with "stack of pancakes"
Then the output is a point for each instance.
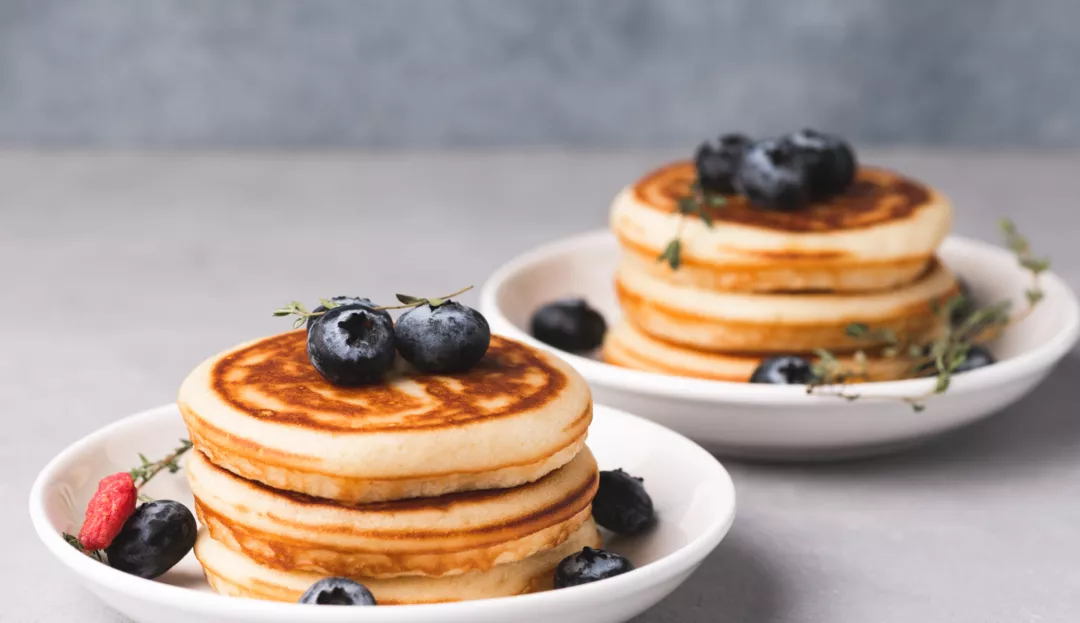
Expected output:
(424, 488)
(760, 282)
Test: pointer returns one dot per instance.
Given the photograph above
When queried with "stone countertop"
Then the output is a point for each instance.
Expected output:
(122, 271)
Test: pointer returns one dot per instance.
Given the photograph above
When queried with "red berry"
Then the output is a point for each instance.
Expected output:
(107, 511)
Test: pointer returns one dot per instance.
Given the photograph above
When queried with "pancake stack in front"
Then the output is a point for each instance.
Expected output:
(423, 488)
(759, 282)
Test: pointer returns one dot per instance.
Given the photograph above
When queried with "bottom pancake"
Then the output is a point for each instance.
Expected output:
(231, 573)
(628, 347)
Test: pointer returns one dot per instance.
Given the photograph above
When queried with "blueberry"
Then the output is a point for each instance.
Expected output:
(570, 325)
(717, 161)
(154, 539)
(446, 339)
(830, 161)
(977, 357)
(338, 592)
(967, 304)
(352, 345)
(784, 370)
(773, 175)
(622, 505)
(343, 300)
(590, 565)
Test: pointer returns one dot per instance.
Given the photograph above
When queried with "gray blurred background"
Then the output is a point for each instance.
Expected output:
(416, 73)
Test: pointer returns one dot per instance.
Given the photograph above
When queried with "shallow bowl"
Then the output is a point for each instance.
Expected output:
(693, 495)
(783, 422)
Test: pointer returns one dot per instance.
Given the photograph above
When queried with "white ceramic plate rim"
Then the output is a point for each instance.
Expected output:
(670, 566)
(637, 381)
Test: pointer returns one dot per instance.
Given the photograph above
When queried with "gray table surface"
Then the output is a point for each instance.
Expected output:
(119, 272)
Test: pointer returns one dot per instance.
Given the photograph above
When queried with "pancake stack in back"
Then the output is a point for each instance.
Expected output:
(761, 282)
(424, 488)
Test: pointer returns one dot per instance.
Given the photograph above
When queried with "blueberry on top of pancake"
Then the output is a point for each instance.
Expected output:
(773, 174)
(442, 339)
(829, 161)
(717, 161)
(351, 345)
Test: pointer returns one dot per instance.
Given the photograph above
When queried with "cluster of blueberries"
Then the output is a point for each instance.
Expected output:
(621, 505)
(354, 342)
(784, 173)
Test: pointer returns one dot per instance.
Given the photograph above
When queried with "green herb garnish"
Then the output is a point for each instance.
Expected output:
(694, 204)
(945, 354)
(147, 469)
(296, 308)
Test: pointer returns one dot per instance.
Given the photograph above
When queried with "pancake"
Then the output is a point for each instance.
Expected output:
(231, 573)
(628, 347)
(263, 412)
(448, 535)
(879, 234)
(778, 323)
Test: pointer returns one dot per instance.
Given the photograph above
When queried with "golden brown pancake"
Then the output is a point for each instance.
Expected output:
(231, 573)
(626, 346)
(737, 322)
(448, 535)
(263, 412)
(879, 234)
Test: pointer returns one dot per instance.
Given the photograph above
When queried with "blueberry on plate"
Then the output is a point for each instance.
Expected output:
(338, 592)
(773, 174)
(352, 344)
(622, 505)
(784, 370)
(442, 339)
(590, 565)
(717, 160)
(154, 539)
(977, 357)
(570, 325)
(829, 160)
(341, 301)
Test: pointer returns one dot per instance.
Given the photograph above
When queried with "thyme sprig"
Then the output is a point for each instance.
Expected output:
(942, 357)
(141, 474)
(298, 309)
(73, 541)
(696, 204)
(147, 469)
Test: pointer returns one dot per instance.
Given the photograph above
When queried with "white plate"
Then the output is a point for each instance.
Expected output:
(782, 422)
(693, 494)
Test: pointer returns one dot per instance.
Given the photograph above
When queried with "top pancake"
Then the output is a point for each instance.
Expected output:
(263, 412)
(880, 233)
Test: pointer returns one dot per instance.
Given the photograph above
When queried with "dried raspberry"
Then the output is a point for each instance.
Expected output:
(107, 511)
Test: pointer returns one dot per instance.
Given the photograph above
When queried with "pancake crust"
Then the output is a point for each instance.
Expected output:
(231, 573)
(879, 234)
(731, 322)
(625, 346)
(448, 535)
(263, 412)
